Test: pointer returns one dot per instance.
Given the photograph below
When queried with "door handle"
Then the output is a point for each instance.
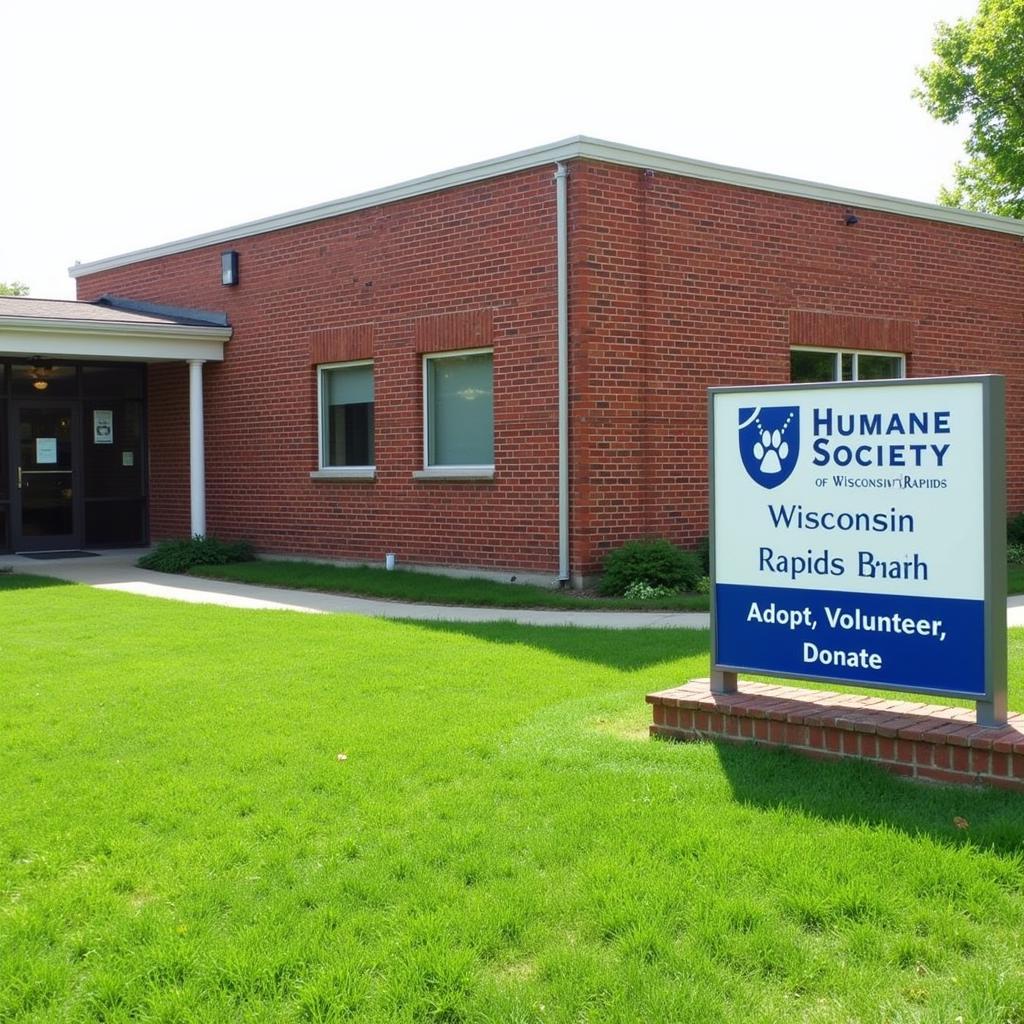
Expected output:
(41, 472)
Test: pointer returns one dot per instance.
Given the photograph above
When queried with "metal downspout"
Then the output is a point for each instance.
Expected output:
(562, 218)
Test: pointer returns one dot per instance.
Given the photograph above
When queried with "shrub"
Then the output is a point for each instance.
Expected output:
(704, 554)
(703, 585)
(1015, 553)
(654, 562)
(640, 591)
(181, 555)
(1015, 529)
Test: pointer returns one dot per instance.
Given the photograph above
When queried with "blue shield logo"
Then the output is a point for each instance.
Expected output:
(770, 443)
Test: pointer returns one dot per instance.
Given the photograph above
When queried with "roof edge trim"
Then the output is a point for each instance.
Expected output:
(577, 147)
(616, 153)
(194, 317)
(185, 332)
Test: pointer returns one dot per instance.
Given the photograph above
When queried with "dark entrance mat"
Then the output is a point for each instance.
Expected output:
(58, 554)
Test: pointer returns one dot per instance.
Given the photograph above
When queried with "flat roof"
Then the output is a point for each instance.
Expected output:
(68, 309)
(578, 147)
(109, 310)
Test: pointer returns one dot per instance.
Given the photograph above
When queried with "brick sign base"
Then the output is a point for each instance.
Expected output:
(924, 741)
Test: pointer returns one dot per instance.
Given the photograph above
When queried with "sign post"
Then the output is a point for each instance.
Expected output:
(858, 536)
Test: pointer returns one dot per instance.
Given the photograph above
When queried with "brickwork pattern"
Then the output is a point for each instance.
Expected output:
(676, 285)
(679, 285)
(465, 268)
(923, 741)
(341, 344)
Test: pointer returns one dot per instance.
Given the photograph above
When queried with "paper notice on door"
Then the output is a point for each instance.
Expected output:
(103, 426)
(46, 450)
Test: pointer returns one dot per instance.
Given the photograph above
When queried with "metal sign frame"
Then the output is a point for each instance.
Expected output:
(992, 706)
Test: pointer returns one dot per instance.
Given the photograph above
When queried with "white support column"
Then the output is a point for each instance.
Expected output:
(196, 448)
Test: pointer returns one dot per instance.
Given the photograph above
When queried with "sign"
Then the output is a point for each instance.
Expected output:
(103, 426)
(858, 534)
(46, 450)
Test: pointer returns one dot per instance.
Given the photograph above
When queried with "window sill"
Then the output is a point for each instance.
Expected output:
(345, 473)
(455, 473)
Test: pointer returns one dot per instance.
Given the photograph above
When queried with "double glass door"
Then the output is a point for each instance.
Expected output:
(45, 512)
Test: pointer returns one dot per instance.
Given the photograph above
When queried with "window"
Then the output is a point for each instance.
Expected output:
(346, 418)
(813, 365)
(458, 404)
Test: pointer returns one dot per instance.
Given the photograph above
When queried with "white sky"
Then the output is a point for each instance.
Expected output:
(129, 124)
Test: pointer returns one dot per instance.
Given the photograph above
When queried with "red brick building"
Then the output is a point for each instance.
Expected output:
(393, 375)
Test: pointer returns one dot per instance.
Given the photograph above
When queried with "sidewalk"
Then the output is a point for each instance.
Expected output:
(116, 570)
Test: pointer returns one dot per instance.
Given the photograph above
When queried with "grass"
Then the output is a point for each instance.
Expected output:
(1015, 578)
(432, 588)
(179, 841)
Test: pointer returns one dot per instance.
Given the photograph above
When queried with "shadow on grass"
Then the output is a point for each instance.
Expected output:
(12, 581)
(858, 791)
(622, 649)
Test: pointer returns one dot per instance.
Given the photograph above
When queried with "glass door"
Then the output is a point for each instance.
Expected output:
(44, 513)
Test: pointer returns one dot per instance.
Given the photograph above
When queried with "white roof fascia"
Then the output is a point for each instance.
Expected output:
(525, 160)
(615, 153)
(579, 147)
(24, 336)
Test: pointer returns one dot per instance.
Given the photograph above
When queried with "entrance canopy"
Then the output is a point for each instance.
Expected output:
(47, 425)
(110, 328)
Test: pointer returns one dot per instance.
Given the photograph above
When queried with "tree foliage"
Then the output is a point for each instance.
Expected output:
(13, 288)
(978, 75)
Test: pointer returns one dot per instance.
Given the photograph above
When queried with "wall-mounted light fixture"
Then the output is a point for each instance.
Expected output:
(229, 267)
(851, 218)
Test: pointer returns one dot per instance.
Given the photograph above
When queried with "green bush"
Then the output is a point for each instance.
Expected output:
(640, 591)
(181, 555)
(1015, 529)
(704, 554)
(654, 562)
(1015, 554)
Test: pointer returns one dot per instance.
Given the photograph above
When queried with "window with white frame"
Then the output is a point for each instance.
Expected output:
(817, 365)
(458, 410)
(346, 416)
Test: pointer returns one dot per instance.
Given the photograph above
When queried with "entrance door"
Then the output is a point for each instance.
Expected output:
(44, 511)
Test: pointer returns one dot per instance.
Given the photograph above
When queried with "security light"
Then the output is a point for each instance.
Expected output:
(229, 267)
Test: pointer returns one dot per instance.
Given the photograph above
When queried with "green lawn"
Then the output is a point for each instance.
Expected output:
(1015, 578)
(179, 840)
(433, 588)
(402, 585)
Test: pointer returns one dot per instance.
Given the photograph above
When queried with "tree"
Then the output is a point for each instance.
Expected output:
(978, 74)
(14, 288)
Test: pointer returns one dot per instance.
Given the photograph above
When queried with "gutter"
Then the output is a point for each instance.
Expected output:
(184, 332)
(562, 220)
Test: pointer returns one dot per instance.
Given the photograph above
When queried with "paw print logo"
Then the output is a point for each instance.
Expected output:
(770, 443)
(771, 451)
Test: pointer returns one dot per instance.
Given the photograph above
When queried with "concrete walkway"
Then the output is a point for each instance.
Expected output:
(116, 570)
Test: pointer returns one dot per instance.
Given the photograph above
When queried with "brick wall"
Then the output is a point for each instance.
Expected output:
(680, 285)
(676, 285)
(467, 267)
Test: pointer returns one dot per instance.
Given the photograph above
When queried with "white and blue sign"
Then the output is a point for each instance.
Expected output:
(851, 533)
